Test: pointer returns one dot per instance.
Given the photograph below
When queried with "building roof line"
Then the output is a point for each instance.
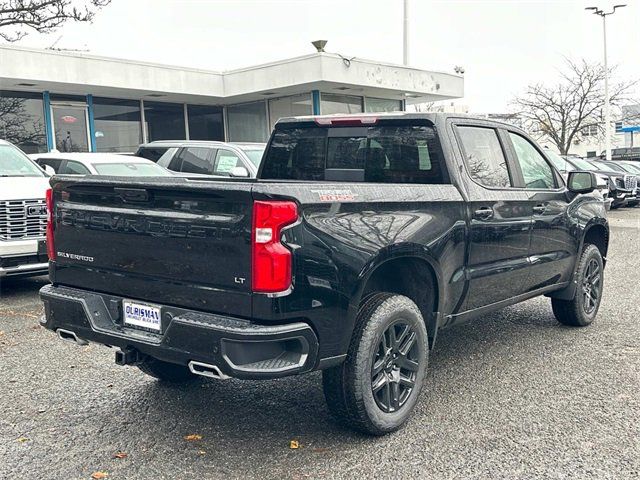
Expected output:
(91, 56)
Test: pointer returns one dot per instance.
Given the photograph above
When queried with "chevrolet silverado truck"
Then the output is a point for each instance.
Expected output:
(361, 238)
(23, 215)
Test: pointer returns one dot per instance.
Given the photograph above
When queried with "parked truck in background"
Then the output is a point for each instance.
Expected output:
(360, 239)
(23, 215)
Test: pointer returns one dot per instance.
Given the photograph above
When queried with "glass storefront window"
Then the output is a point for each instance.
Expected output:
(22, 121)
(247, 122)
(70, 127)
(332, 103)
(292, 106)
(205, 122)
(117, 125)
(164, 121)
(382, 105)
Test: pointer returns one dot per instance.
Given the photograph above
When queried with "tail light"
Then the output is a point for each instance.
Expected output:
(271, 269)
(51, 250)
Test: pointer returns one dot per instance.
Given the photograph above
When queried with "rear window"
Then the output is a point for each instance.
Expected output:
(379, 154)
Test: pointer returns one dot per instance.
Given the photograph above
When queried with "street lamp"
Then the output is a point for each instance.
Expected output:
(607, 106)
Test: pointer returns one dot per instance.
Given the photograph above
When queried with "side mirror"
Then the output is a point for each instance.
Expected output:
(238, 172)
(49, 170)
(582, 182)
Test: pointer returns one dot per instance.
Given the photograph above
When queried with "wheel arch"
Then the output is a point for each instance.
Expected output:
(597, 233)
(415, 276)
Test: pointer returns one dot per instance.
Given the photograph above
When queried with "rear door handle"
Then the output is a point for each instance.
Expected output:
(483, 213)
(540, 209)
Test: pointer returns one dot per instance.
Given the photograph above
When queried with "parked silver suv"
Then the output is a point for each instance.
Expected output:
(205, 157)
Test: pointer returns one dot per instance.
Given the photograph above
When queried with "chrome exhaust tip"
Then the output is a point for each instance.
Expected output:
(69, 336)
(206, 370)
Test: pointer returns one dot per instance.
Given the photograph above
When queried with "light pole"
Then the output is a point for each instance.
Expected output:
(607, 106)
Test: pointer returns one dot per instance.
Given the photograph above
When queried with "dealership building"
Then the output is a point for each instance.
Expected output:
(77, 102)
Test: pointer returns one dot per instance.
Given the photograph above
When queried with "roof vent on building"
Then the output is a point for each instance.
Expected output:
(319, 44)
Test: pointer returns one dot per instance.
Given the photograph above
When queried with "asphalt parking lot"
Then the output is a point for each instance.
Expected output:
(511, 395)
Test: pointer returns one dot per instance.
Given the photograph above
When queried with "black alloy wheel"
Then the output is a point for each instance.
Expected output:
(591, 286)
(582, 309)
(395, 367)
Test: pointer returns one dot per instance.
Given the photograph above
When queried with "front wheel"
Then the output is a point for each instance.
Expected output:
(582, 310)
(376, 388)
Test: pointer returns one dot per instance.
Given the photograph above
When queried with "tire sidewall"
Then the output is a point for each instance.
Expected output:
(590, 253)
(393, 310)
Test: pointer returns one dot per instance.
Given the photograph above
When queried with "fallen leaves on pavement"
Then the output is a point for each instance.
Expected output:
(23, 439)
(193, 437)
(120, 455)
(294, 444)
(99, 475)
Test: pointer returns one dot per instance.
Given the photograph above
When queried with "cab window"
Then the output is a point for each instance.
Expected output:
(51, 162)
(192, 160)
(484, 157)
(537, 173)
(73, 168)
(225, 161)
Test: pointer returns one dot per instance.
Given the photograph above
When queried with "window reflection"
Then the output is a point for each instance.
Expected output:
(22, 121)
(484, 157)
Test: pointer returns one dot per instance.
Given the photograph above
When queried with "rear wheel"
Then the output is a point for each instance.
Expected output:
(167, 372)
(582, 310)
(378, 385)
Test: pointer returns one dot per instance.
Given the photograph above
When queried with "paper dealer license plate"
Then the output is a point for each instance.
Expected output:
(141, 315)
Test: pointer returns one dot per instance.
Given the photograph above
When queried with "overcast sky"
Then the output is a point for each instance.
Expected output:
(503, 45)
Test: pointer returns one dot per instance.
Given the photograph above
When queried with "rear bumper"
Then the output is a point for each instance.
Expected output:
(238, 348)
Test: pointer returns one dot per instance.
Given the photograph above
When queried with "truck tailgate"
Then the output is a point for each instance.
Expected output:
(179, 242)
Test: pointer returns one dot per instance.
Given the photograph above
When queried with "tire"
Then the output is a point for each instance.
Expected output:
(589, 278)
(167, 372)
(348, 388)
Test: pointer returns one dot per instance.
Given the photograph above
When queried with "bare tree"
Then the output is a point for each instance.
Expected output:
(18, 17)
(561, 112)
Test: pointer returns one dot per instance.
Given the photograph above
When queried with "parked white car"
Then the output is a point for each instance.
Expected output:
(23, 214)
(99, 164)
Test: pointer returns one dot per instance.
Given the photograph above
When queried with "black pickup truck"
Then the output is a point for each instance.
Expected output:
(360, 239)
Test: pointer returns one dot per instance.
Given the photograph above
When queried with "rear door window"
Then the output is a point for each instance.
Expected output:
(378, 154)
(483, 155)
(193, 160)
(71, 167)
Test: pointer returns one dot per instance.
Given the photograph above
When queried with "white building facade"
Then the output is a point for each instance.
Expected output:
(72, 101)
